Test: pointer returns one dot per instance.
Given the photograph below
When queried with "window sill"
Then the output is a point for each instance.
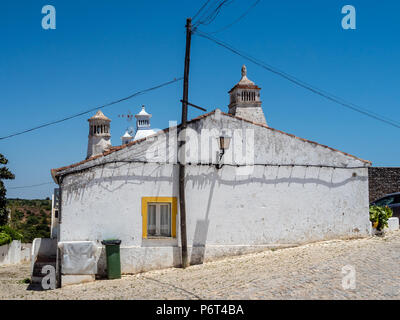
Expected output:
(159, 238)
(159, 242)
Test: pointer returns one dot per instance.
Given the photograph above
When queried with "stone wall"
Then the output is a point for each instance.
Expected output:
(383, 180)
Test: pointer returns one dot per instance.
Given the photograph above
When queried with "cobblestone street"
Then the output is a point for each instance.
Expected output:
(311, 271)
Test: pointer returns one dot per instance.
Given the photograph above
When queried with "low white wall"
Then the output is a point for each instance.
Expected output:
(393, 224)
(26, 252)
(11, 253)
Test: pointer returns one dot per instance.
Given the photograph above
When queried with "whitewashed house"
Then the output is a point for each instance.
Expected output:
(266, 189)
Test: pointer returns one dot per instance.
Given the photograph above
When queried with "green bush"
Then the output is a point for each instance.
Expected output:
(32, 220)
(5, 238)
(15, 235)
(17, 215)
(379, 216)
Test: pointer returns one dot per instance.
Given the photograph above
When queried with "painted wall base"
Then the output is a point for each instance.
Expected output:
(139, 259)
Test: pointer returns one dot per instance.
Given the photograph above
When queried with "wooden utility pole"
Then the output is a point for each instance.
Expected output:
(182, 204)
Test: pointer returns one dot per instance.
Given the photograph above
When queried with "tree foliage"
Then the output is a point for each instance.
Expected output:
(379, 216)
(5, 174)
(5, 238)
(31, 218)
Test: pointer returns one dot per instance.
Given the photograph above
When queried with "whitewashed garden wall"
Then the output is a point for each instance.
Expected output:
(14, 253)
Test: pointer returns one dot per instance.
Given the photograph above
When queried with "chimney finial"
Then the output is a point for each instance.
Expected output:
(244, 71)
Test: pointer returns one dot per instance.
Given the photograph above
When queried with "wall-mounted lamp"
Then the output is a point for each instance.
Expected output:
(223, 141)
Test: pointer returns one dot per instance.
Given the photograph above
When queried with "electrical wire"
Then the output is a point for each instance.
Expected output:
(201, 9)
(211, 165)
(190, 164)
(206, 12)
(238, 19)
(92, 109)
(210, 17)
(301, 83)
(31, 186)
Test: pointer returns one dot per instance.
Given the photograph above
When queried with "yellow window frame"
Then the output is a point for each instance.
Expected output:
(174, 210)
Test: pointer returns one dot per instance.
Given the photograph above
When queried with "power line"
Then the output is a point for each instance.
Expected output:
(93, 109)
(127, 161)
(206, 12)
(213, 15)
(238, 19)
(301, 83)
(31, 186)
(201, 9)
(206, 19)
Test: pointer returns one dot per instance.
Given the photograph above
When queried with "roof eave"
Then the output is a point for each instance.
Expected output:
(56, 173)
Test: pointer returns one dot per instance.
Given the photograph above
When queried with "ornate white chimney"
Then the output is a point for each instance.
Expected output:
(126, 138)
(143, 127)
(245, 100)
(99, 134)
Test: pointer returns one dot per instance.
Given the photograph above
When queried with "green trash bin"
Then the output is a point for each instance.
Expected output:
(113, 258)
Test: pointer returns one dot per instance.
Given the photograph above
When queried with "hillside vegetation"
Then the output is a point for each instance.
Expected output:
(31, 218)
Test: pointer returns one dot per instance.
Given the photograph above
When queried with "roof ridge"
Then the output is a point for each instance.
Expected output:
(117, 148)
(293, 136)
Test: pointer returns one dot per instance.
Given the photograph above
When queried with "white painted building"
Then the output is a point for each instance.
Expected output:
(267, 189)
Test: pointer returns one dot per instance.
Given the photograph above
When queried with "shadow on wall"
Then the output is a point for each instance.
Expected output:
(201, 231)
(82, 181)
(207, 178)
(109, 182)
(202, 179)
(138, 175)
(102, 263)
(199, 242)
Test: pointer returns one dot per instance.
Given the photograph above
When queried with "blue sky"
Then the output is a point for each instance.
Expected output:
(105, 50)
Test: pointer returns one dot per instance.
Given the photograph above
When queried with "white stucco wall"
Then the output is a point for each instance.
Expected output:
(26, 252)
(227, 212)
(11, 253)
